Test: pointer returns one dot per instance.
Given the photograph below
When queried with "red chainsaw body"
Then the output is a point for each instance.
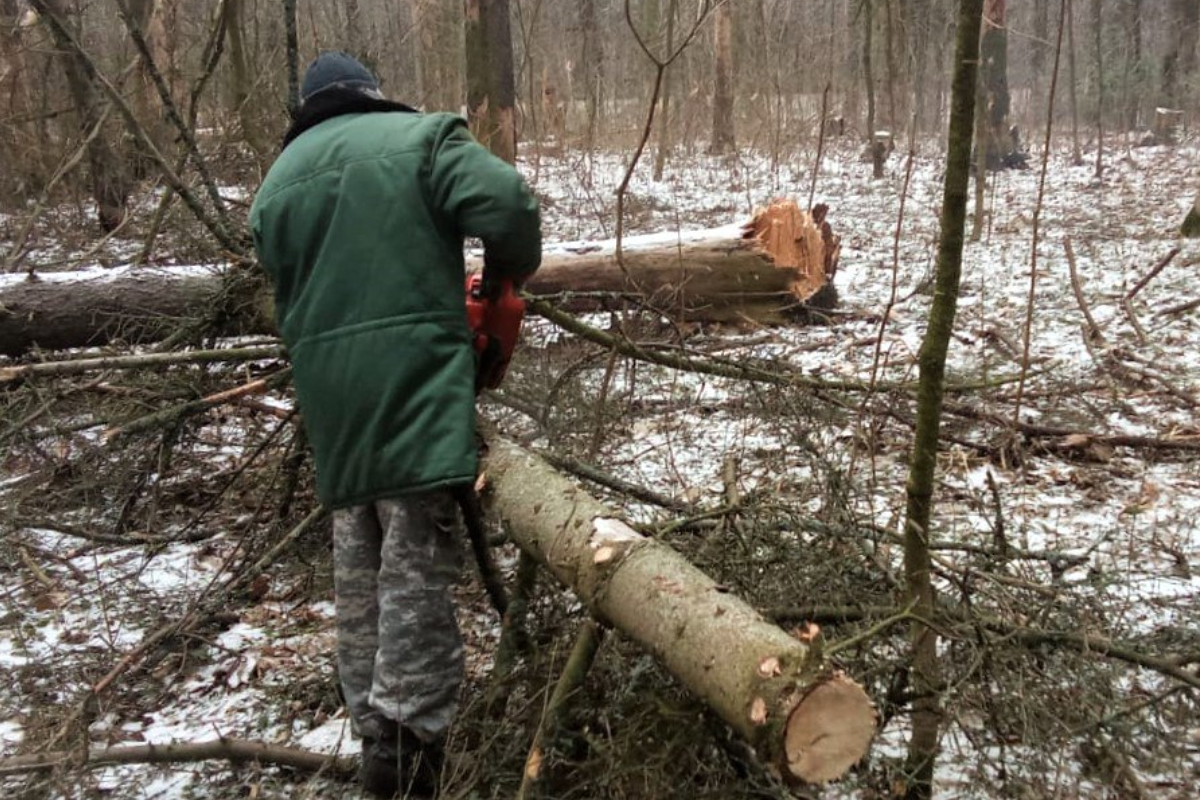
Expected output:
(494, 314)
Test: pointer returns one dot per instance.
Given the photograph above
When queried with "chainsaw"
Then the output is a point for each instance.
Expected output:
(494, 316)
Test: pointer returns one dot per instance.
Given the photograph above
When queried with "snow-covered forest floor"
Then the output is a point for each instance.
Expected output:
(1080, 522)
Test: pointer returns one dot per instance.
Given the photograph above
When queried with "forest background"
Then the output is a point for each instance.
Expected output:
(166, 566)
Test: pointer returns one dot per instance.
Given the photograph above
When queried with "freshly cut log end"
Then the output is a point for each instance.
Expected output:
(798, 242)
(828, 732)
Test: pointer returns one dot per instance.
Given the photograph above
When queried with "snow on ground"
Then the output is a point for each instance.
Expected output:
(1134, 514)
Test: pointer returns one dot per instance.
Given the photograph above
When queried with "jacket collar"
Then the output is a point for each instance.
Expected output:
(333, 103)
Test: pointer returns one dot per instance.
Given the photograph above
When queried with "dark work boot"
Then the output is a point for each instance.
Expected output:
(420, 765)
(379, 773)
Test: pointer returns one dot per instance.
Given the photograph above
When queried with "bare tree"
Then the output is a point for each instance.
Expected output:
(19, 172)
(491, 87)
(664, 126)
(1179, 61)
(1191, 223)
(109, 183)
(993, 55)
(723, 140)
(592, 59)
(868, 21)
(293, 55)
(918, 565)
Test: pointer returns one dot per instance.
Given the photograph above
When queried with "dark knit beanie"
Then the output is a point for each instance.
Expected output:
(335, 69)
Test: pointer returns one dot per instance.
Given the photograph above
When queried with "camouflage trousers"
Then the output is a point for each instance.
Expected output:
(400, 654)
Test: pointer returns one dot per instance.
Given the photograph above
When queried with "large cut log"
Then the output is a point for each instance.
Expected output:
(808, 721)
(767, 270)
(58, 311)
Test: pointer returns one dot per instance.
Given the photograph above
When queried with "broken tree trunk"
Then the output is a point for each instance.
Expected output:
(91, 309)
(811, 723)
(767, 271)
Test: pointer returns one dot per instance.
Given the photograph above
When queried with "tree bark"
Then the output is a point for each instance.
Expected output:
(1098, 23)
(768, 270)
(762, 271)
(1076, 150)
(994, 80)
(592, 59)
(1179, 61)
(664, 123)
(491, 87)
(292, 48)
(1191, 223)
(109, 184)
(155, 19)
(243, 86)
(925, 677)
(19, 167)
(132, 307)
(722, 130)
(868, 12)
(770, 687)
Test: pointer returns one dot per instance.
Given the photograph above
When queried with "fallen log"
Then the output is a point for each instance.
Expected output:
(769, 270)
(93, 308)
(808, 721)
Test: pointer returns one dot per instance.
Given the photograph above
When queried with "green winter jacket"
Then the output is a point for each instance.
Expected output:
(360, 223)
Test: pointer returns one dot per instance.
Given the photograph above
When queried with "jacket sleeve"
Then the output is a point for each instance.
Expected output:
(486, 198)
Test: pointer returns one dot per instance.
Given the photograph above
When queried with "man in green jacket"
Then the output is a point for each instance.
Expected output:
(360, 223)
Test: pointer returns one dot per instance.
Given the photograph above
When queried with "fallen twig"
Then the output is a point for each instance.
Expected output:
(1179, 309)
(1159, 267)
(81, 365)
(1093, 330)
(174, 414)
(1075, 437)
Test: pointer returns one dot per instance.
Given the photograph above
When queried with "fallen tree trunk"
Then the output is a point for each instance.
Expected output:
(808, 721)
(768, 271)
(91, 309)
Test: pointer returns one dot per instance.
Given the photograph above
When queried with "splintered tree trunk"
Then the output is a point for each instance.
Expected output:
(722, 130)
(809, 722)
(109, 183)
(491, 87)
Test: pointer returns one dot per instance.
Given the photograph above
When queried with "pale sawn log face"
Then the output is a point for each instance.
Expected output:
(747, 669)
